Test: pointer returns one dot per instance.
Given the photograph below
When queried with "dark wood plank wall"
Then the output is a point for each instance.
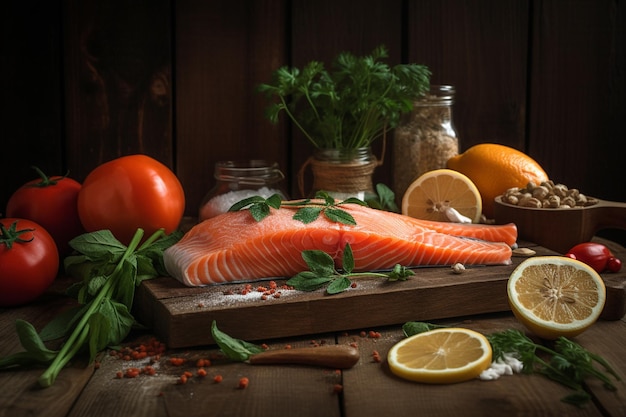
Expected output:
(86, 81)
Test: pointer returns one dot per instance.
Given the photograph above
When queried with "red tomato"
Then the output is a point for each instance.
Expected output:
(52, 203)
(131, 192)
(614, 264)
(29, 259)
(596, 255)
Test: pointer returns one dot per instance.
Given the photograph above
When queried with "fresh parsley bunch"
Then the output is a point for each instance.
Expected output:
(350, 106)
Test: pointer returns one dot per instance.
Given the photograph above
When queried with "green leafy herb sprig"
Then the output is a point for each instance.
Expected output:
(350, 106)
(109, 273)
(568, 363)
(234, 349)
(307, 210)
(385, 199)
(323, 272)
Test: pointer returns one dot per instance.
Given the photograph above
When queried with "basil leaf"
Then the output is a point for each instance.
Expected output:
(308, 281)
(339, 216)
(62, 324)
(354, 200)
(274, 201)
(319, 262)
(259, 211)
(246, 202)
(348, 259)
(234, 349)
(412, 328)
(338, 285)
(307, 214)
(99, 244)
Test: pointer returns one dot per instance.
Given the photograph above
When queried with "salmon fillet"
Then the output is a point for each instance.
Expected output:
(234, 247)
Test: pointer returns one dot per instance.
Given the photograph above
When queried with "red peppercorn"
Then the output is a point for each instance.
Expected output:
(243, 383)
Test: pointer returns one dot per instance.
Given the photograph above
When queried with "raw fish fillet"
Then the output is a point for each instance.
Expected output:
(234, 247)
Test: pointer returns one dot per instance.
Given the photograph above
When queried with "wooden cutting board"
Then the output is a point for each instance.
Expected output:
(181, 316)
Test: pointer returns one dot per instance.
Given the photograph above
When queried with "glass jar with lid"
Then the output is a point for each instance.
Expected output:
(425, 138)
(237, 180)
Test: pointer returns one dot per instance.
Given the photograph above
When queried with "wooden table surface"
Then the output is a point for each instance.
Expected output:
(369, 389)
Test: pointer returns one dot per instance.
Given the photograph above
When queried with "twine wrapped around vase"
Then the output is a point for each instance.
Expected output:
(341, 175)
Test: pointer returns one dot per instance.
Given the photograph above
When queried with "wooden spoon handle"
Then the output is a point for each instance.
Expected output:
(331, 356)
(609, 215)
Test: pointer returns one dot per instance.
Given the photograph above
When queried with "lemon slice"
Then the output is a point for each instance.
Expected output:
(437, 195)
(556, 296)
(441, 356)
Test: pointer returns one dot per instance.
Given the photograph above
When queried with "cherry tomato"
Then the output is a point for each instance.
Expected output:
(29, 259)
(131, 192)
(52, 203)
(596, 255)
(614, 264)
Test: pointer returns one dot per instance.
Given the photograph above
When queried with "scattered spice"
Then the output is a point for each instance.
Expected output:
(243, 383)
(132, 373)
(374, 335)
(177, 361)
(272, 290)
(376, 356)
(153, 349)
(217, 379)
(201, 363)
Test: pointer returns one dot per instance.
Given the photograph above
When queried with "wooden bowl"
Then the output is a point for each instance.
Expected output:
(561, 229)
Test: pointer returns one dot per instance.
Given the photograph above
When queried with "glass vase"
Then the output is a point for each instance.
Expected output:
(344, 173)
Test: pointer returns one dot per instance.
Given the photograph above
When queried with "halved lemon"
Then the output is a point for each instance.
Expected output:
(434, 193)
(441, 356)
(556, 296)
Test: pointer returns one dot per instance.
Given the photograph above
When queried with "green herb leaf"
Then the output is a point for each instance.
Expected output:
(274, 201)
(308, 281)
(339, 216)
(339, 284)
(259, 211)
(412, 328)
(62, 324)
(234, 349)
(347, 259)
(36, 353)
(98, 245)
(400, 273)
(246, 202)
(384, 200)
(319, 262)
(307, 214)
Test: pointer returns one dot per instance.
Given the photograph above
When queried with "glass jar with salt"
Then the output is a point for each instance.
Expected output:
(237, 180)
(425, 138)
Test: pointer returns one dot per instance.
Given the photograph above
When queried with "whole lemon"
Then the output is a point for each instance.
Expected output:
(495, 168)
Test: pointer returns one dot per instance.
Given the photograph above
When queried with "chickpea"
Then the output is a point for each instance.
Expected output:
(547, 195)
